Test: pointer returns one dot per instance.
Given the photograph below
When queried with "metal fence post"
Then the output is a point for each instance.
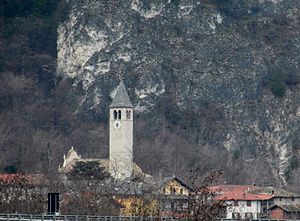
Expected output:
(7, 217)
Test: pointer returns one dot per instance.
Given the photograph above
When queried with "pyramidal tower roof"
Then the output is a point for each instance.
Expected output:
(121, 98)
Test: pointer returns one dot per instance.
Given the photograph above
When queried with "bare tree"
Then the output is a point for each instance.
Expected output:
(89, 191)
(202, 203)
(20, 194)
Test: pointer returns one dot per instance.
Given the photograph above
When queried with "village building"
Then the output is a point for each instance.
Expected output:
(282, 205)
(174, 196)
(284, 212)
(240, 203)
(120, 163)
(280, 197)
(167, 196)
(252, 202)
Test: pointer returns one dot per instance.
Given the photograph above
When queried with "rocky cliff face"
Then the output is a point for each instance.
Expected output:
(233, 64)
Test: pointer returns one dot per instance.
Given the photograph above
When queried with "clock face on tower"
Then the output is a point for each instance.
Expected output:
(117, 124)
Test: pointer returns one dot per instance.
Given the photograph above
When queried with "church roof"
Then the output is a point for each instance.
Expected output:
(137, 171)
(72, 153)
(121, 98)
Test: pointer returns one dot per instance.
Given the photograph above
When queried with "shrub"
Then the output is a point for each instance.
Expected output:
(276, 81)
(88, 170)
(293, 165)
(278, 88)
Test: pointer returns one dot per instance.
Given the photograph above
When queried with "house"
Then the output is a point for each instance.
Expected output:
(280, 197)
(250, 201)
(174, 186)
(282, 202)
(240, 202)
(284, 212)
(166, 196)
(174, 196)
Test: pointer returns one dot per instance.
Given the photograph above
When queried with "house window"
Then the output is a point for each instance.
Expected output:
(128, 113)
(115, 115)
(236, 203)
(235, 215)
(167, 205)
(172, 190)
(248, 203)
(185, 206)
(179, 206)
(249, 215)
(264, 205)
(181, 191)
(120, 115)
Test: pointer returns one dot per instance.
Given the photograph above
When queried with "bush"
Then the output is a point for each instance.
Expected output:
(88, 170)
(11, 169)
(282, 74)
(276, 81)
(278, 88)
(293, 165)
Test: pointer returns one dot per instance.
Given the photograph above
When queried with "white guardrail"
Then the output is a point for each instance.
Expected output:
(32, 217)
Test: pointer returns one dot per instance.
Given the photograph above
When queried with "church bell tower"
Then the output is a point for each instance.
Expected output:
(121, 134)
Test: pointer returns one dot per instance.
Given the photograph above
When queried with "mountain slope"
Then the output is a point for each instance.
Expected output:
(236, 60)
(213, 82)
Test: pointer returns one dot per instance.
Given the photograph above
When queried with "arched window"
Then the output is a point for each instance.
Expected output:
(120, 117)
(128, 113)
(115, 115)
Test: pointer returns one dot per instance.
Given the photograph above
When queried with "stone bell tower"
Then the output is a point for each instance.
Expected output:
(121, 134)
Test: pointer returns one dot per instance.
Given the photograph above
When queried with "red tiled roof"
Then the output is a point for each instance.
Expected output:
(10, 178)
(238, 192)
